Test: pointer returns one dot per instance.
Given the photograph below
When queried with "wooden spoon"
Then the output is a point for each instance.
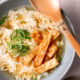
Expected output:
(51, 8)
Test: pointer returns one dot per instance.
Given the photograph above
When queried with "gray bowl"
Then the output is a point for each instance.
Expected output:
(68, 53)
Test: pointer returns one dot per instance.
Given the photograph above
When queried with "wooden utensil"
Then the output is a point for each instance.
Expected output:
(51, 8)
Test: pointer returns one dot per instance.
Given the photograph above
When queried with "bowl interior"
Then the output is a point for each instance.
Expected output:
(69, 52)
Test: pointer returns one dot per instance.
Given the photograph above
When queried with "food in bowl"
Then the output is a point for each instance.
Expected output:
(29, 44)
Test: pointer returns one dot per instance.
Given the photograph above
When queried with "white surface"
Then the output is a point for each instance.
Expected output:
(2, 1)
(72, 9)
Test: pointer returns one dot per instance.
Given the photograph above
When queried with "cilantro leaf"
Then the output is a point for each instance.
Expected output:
(3, 20)
(60, 59)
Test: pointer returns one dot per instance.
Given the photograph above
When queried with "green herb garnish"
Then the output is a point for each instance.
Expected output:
(35, 78)
(19, 50)
(60, 59)
(16, 44)
(20, 35)
(28, 37)
(3, 20)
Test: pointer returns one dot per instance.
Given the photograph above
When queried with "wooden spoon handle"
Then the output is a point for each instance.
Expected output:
(64, 29)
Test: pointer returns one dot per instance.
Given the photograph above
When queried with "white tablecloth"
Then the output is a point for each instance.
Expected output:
(72, 9)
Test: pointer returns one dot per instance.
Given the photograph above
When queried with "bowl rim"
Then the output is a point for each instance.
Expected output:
(74, 34)
(71, 26)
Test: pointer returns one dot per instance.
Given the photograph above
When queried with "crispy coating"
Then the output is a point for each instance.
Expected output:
(52, 50)
(47, 66)
(55, 34)
(37, 36)
(43, 48)
(31, 55)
